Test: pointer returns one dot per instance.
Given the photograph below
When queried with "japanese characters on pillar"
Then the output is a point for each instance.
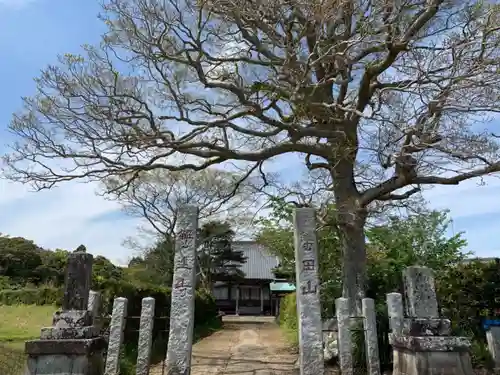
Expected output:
(308, 305)
(178, 360)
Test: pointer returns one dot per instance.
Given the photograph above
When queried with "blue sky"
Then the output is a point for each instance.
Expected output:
(32, 34)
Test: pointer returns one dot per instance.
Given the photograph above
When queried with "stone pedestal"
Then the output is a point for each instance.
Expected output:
(431, 355)
(72, 345)
(422, 345)
(68, 357)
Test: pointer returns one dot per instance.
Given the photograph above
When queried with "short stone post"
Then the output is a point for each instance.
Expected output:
(72, 346)
(395, 311)
(424, 346)
(371, 340)
(344, 336)
(116, 328)
(493, 339)
(94, 306)
(145, 336)
(311, 360)
(180, 341)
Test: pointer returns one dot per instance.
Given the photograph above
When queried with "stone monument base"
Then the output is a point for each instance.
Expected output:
(72, 357)
(429, 355)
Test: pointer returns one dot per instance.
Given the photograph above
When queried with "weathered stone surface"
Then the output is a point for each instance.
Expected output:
(67, 347)
(330, 345)
(421, 301)
(178, 359)
(493, 338)
(431, 363)
(330, 324)
(94, 305)
(426, 327)
(77, 284)
(51, 333)
(116, 328)
(430, 343)
(344, 336)
(145, 336)
(58, 364)
(371, 341)
(396, 312)
(308, 305)
(72, 319)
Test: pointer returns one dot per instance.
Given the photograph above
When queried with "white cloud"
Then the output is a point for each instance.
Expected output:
(470, 198)
(66, 217)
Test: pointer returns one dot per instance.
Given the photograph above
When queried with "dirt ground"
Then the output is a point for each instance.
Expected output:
(246, 346)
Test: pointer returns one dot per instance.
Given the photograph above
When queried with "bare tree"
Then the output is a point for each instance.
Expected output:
(386, 96)
(156, 195)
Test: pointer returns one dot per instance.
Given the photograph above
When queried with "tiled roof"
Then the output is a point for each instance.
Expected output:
(260, 262)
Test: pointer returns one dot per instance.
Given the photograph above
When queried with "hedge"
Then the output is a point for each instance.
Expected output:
(288, 317)
(31, 296)
(205, 308)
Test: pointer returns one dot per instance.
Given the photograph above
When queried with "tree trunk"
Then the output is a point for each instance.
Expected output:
(351, 219)
(353, 259)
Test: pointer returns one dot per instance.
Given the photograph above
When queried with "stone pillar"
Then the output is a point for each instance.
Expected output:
(371, 341)
(145, 336)
(344, 336)
(424, 346)
(493, 339)
(180, 342)
(308, 305)
(395, 311)
(116, 328)
(73, 345)
(94, 306)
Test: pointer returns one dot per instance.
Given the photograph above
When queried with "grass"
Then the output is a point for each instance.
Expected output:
(19, 323)
(23, 322)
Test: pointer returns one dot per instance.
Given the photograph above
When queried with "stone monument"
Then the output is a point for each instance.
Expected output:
(311, 360)
(180, 341)
(423, 346)
(73, 345)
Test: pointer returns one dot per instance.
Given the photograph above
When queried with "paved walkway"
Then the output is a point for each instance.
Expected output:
(246, 346)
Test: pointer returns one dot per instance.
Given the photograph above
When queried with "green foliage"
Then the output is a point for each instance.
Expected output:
(403, 242)
(156, 266)
(218, 261)
(23, 264)
(34, 296)
(288, 318)
(469, 293)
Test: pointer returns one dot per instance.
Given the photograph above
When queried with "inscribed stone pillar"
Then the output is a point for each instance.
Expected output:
(145, 336)
(421, 300)
(180, 342)
(116, 328)
(371, 341)
(308, 304)
(94, 306)
(77, 283)
(395, 311)
(72, 345)
(344, 336)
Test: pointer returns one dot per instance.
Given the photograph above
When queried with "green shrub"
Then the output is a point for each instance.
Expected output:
(32, 296)
(288, 317)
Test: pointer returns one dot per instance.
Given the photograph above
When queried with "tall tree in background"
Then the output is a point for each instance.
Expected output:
(155, 265)
(217, 260)
(379, 97)
(156, 195)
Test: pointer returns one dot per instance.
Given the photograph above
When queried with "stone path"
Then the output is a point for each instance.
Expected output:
(246, 346)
